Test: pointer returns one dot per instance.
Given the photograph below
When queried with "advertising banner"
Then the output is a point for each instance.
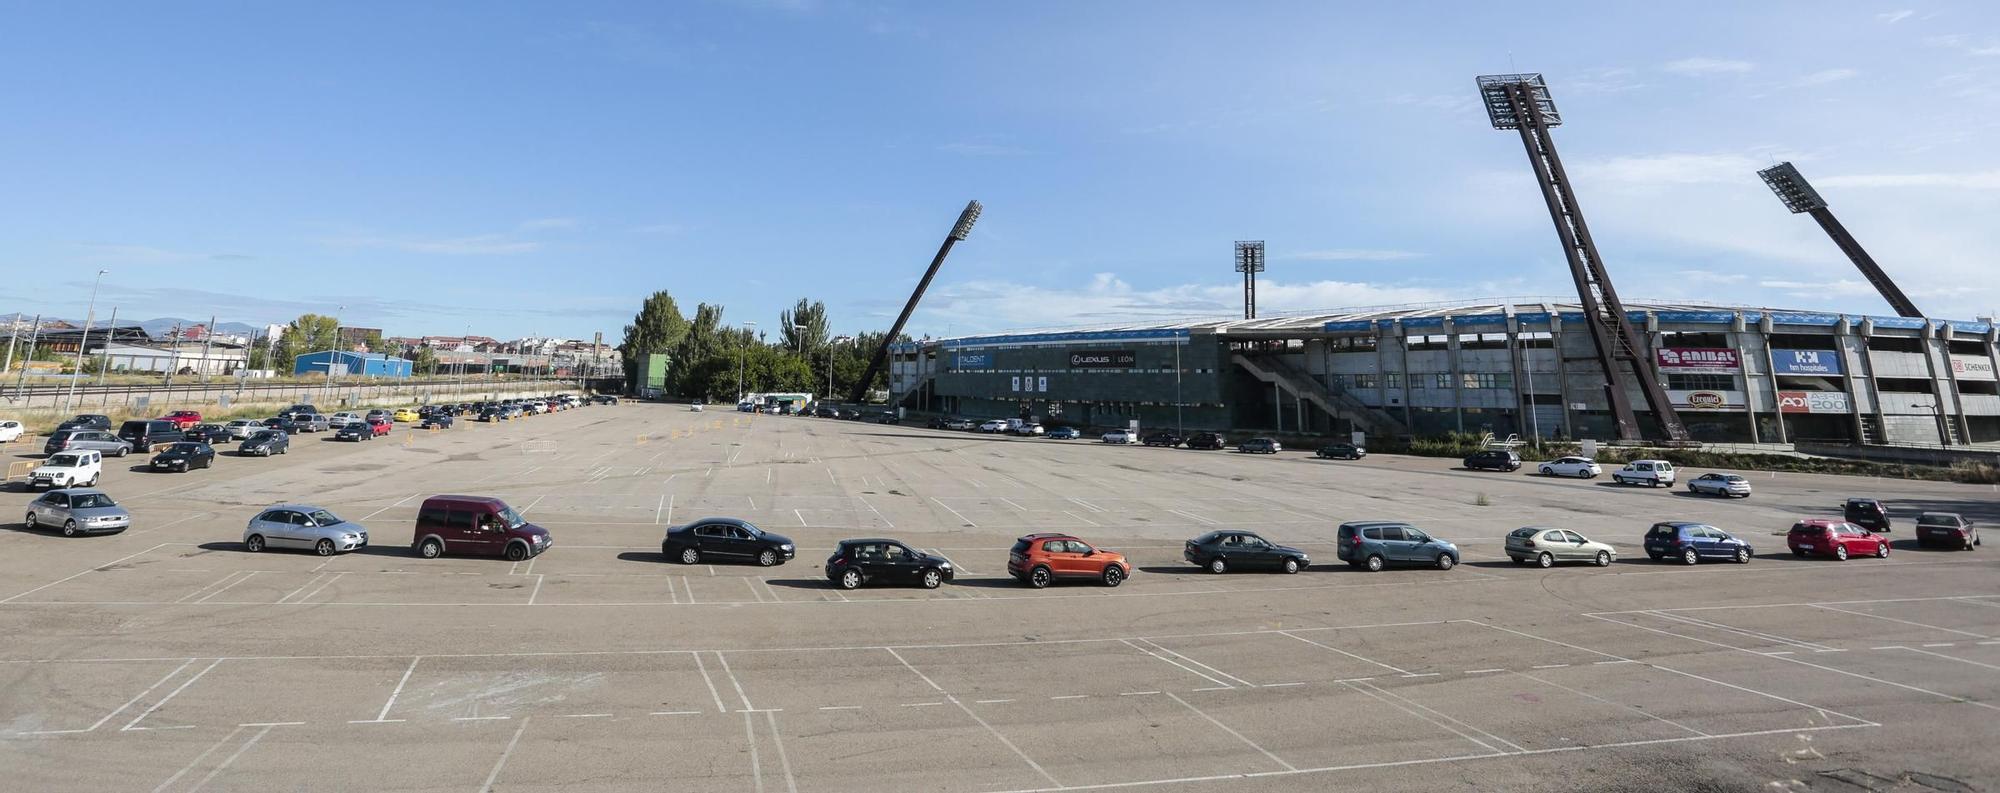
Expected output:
(1809, 362)
(1697, 360)
(1706, 400)
(1813, 402)
(1016, 384)
(974, 360)
(1042, 384)
(1971, 367)
(1102, 359)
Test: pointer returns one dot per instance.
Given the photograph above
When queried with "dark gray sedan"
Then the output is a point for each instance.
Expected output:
(78, 510)
(1222, 551)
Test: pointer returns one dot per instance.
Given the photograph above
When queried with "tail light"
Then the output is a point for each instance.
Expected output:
(1528, 543)
(1357, 539)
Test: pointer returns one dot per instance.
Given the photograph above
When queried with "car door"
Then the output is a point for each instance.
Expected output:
(713, 539)
(461, 532)
(1259, 552)
(54, 509)
(904, 564)
(1720, 544)
(1394, 544)
(281, 529)
(1575, 547)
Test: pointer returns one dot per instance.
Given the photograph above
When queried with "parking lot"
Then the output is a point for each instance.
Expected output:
(168, 658)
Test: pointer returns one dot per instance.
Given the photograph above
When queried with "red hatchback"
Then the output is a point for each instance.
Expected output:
(183, 419)
(1836, 538)
(380, 426)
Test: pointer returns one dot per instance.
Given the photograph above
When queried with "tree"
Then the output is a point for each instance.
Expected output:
(373, 342)
(658, 327)
(424, 360)
(802, 328)
(704, 340)
(308, 333)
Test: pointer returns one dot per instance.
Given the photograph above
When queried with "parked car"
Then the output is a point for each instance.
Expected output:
(206, 433)
(144, 434)
(283, 424)
(343, 417)
(1730, 485)
(1579, 467)
(301, 407)
(380, 426)
(183, 418)
(476, 526)
(379, 413)
(311, 422)
(954, 424)
(1866, 513)
(1039, 559)
(935, 422)
(1166, 439)
(1651, 473)
(77, 511)
(80, 468)
(1064, 434)
(1259, 446)
(438, 420)
(993, 425)
(884, 417)
(184, 456)
(1341, 451)
(1692, 542)
(10, 431)
(93, 440)
(722, 539)
(1836, 538)
(873, 560)
(1221, 551)
(1206, 440)
(491, 414)
(696, 408)
(1028, 430)
(1119, 436)
(264, 443)
(241, 428)
(354, 431)
(86, 421)
(405, 414)
(1546, 546)
(1946, 528)
(1373, 545)
(1493, 460)
(303, 527)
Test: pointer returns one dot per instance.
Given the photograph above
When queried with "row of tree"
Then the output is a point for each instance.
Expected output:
(717, 363)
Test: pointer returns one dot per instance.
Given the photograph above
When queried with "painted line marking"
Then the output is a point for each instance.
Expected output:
(482, 718)
(1344, 652)
(121, 708)
(1136, 693)
(1226, 728)
(676, 713)
(502, 762)
(961, 517)
(197, 760)
(170, 695)
(399, 688)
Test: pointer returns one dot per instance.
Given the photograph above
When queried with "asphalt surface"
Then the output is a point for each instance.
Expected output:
(169, 659)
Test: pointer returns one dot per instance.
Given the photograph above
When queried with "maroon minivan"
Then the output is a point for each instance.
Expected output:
(476, 526)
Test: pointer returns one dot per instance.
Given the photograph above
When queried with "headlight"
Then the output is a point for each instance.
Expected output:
(785, 547)
(945, 565)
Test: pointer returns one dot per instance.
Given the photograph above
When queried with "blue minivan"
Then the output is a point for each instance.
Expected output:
(1374, 544)
(1691, 542)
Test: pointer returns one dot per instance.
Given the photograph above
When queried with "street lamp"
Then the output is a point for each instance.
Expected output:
(84, 341)
(829, 360)
(739, 363)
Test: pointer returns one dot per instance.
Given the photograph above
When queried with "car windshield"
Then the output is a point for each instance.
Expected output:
(324, 518)
(183, 447)
(1936, 520)
(263, 436)
(91, 501)
(65, 461)
(513, 519)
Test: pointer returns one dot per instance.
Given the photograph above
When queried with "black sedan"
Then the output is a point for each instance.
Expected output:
(1493, 460)
(726, 539)
(439, 420)
(1167, 439)
(354, 431)
(1341, 451)
(264, 443)
(1206, 440)
(1222, 551)
(869, 561)
(183, 456)
(206, 433)
(282, 424)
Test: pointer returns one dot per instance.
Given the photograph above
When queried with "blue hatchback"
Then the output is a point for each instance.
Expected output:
(1374, 544)
(1691, 542)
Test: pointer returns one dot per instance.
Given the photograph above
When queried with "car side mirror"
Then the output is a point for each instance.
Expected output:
(1091, 552)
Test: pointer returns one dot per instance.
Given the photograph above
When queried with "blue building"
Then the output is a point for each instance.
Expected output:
(357, 364)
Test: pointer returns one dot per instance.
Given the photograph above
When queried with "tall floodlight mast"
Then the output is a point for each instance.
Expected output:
(959, 231)
(1249, 262)
(1521, 102)
(1800, 197)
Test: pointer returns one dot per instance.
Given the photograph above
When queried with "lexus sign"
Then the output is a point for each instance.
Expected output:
(1103, 359)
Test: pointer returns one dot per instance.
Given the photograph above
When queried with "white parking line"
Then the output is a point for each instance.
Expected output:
(502, 762)
(133, 724)
(231, 759)
(1903, 621)
(1239, 736)
(232, 584)
(91, 570)
(961, 517)
(1397, 670)
(738, 684)
(121, 708)
(1183, 667)
(197, 760)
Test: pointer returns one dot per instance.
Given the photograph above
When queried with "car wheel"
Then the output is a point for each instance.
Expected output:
(31, 521)
(1603, 558)
(1446, 561)
(1373, 563)
(1547, 471)
(932, 578)
(1040, 577)
(516, 552)
(122, 451)
(184, 466)
(431, 549)
(323, 547)
(69, 528)
(1114, 575)
(1881, 550)
(1290, 566)
(690, 556)
(1545, 560)
(1690, 557)
(254, 543)
(1691, 488)
(767, 558)
(1840, 552)
(1743, 555)
(850, 579)
(93, 480)
(1798, 553)
(1218, 565)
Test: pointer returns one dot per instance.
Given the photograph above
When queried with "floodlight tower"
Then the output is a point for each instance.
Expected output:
(1800, 197)
(1249, 262)
(959, 231)
(1521, 102)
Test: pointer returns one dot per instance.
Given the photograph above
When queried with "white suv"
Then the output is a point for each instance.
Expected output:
(1651, 473)
(68, 469)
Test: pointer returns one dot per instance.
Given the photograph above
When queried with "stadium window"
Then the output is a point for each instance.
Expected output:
(1701, 382)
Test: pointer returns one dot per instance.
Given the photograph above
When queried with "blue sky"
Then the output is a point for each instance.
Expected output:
(533, 168)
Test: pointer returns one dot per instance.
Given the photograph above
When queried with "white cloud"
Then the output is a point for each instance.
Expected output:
(1706, 66)
(1971, 180)
(1825, 76)
(1349, 255)
(1893, 17)
(1606, 80)
(1671, 169)
(1712, 276)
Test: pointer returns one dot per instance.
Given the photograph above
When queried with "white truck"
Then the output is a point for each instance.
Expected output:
(68, 469)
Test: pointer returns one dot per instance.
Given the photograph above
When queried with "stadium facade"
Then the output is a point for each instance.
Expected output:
(1734, 374)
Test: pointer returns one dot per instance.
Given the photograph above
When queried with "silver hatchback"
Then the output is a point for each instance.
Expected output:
(303, 526)
(78, 510)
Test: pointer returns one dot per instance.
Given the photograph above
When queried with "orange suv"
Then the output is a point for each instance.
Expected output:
(1039, 559)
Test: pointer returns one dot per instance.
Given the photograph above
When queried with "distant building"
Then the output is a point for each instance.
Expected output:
(353, 364)
(357, 338)
(213, 357)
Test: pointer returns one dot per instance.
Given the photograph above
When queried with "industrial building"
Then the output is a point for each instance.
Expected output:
(350, 364)
(1733, 374)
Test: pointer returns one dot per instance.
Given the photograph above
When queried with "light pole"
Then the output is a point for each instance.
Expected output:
(739, 360)
(829, 360)
(84, 341)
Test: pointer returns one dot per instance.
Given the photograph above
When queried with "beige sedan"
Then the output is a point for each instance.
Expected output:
(1545, 546)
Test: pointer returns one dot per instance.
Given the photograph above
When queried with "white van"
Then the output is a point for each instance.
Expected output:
(1651, 473)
